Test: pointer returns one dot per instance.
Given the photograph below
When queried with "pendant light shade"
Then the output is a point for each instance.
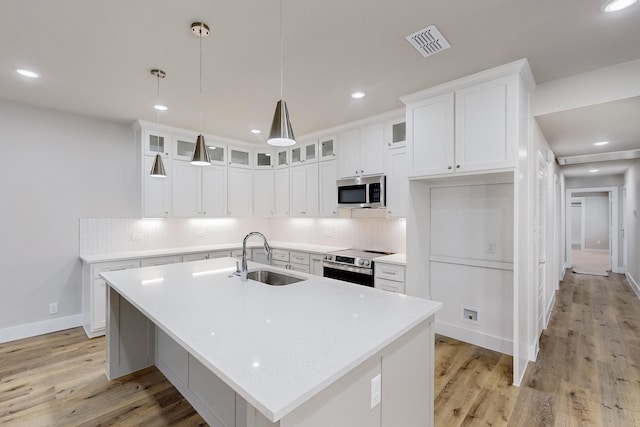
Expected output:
(200, 154)
(158, 168)
(157, 171)
(281, 134)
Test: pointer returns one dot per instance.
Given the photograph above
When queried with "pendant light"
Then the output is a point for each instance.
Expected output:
(281, 134)
(158, 167)
(200, 154)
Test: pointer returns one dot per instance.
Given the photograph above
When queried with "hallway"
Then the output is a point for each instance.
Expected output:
(587, 372)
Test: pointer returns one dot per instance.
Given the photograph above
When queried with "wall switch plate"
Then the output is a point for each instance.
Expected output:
(53, 308)
(376, 391)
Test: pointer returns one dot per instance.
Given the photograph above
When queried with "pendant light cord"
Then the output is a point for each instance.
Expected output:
(281, 54)
(200, 38)
(158, 110)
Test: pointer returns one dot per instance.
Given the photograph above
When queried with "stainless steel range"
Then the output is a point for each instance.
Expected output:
(351, 265)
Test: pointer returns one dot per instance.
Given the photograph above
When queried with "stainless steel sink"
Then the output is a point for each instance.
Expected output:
(273, 278)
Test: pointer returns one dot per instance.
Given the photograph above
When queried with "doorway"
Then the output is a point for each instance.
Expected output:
(592, 223)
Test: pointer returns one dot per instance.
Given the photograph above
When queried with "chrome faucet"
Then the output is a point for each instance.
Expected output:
(243, 268)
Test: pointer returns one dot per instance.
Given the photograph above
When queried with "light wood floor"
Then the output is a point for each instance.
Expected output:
(587, 374)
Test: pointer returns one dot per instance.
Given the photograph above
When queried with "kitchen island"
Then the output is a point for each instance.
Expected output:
(317, 352)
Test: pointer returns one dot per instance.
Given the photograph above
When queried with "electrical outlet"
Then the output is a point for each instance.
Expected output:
(469, 314)
(53, 308)
(491, 248)
(376, 391)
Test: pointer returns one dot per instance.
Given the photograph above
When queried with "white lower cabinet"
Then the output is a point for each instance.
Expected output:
(315, 264)
(389, 277)
(299, 261)
(94, 294)
(162, 260)
(195, 257)
(304, 262)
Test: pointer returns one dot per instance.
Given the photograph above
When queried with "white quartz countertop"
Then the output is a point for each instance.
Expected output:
(253, 243)
(276, 346)
(399, 259)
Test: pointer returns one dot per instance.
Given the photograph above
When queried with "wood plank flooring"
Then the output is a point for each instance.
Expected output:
(587, 374)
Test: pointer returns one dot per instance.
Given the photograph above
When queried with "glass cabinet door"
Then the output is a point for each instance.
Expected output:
(216, 153)
(282, 158)
(239, 157)
(263, 159)
(327, 148)
(396, 133)
(156, 143)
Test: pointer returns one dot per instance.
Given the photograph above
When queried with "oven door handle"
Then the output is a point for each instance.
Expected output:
(343, 267)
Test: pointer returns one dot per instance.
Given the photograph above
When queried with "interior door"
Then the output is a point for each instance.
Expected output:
(541, 239)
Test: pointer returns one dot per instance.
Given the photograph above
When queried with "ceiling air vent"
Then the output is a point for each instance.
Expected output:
(428, 41)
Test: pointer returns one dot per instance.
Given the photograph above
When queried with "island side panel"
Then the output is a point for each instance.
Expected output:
(407, 378)
(130, 338)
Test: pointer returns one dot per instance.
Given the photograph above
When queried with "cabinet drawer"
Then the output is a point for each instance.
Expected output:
(237, 253)
(114, 266)
(163, 260)
(389, 285)
(279, 255)
(299, 258)
(195, 257)
(280, 264)
(390, 272)
(221, 254)
(298, 267)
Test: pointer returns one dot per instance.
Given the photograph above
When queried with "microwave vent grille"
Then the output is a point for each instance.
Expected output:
(428, 41)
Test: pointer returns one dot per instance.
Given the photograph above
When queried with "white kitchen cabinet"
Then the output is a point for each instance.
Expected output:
(156, 192)
(94, 294)
(282, 191)
(291, 260)
(304, 152)
(195, 257)
(260, 256)
(239, 192)
(264, 192)
(397, 182)
(184, 146)
(239, 157)
(315, 264)
(389, 277)
(362, 151)
(327, 148)
(198, 191)
(395, 135)
(279, 255)
(472, 128)
(219, 254)
(263, 159)
(282, 159)
(162, 260)
(156, 143)
(304, 190)
(328, 192)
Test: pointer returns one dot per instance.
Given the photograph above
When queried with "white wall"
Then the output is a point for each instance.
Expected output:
(632, 228)
(56, 168)
(596, 218)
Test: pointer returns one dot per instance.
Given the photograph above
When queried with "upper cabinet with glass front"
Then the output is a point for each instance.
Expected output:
(395, 133)
(304, 152)
(185, 145)
(263, 159)
(327, 148)
(239, 157)
(282, 158)
(156, 143)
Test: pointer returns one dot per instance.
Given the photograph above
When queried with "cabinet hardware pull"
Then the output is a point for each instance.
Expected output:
(449, 167)
(392, 273)
(458, 166)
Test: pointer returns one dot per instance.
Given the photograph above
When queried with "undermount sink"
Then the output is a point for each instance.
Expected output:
(273, 278)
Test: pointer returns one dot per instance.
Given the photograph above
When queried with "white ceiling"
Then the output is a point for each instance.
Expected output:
(95, 57)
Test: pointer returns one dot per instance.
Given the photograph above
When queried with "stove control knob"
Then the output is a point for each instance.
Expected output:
(361, 262)
(366, 263)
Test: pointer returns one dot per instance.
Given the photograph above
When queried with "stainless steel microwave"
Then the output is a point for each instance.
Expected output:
(362, 192)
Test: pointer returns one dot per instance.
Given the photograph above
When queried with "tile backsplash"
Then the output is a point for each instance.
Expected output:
(107, 235)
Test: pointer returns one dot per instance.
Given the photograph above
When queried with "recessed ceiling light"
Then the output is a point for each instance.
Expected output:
(27, 73)
(594, 170)
(160, 107)
(601, 143)
(255, 131)
(357, 95)
(615, 5)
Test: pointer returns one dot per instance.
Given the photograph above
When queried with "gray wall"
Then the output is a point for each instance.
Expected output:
(632, 186)
(56, 168)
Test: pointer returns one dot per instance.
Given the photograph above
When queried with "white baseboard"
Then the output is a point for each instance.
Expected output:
(480, 339)
(552, 303)
(633, 284)
(38, 328)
